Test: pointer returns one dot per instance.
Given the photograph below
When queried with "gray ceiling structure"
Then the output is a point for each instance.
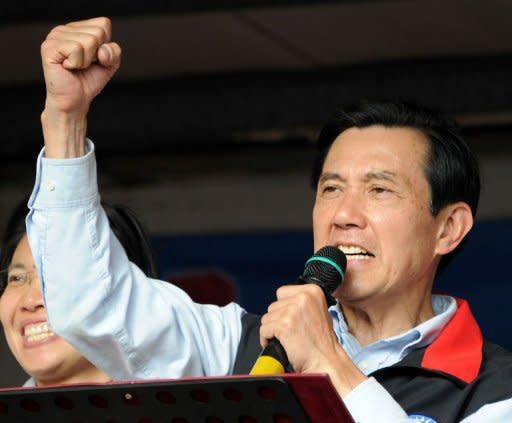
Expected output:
(215, 74)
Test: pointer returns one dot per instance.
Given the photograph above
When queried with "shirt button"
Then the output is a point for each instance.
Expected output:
(363, 364)
(51, 186)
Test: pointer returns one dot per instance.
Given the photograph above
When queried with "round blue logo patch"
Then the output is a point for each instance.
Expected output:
(422, 419)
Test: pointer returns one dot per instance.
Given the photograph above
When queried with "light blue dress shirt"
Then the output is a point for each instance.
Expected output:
(129, 326)
(133, 327)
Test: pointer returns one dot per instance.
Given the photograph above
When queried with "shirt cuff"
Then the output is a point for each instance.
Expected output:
(369, 402)
(65, 182)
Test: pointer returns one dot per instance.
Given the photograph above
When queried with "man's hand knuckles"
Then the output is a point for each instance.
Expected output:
(58, 31)
(104, 22)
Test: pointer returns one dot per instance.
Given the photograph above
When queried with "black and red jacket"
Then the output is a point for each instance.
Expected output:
(448, 380)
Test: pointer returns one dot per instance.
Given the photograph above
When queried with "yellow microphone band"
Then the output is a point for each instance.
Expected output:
(266, 365)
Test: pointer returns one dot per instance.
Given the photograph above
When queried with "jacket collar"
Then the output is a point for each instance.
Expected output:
(457, 350)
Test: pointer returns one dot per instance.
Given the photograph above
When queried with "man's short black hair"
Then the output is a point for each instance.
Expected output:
(451, 168)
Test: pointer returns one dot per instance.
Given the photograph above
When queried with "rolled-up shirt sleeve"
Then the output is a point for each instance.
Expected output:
(128, 325)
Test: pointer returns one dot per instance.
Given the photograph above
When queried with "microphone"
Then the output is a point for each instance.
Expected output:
(326, 268)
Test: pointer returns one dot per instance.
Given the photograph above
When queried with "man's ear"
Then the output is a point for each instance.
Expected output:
(456, 220)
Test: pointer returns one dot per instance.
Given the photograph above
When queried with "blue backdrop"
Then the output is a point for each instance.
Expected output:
(261, 262)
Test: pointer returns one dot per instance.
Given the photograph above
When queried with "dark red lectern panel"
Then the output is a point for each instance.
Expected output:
(289, 398)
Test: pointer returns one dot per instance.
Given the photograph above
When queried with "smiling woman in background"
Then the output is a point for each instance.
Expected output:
(46, 357)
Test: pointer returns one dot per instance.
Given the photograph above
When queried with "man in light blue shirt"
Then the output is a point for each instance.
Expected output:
(392, 193)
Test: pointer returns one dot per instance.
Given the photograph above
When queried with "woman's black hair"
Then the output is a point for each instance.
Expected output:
(124, 224)
(14, 231)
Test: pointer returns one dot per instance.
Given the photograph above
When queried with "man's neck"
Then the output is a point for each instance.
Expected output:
(391, 318)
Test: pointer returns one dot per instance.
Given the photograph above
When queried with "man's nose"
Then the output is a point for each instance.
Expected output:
(350, 210)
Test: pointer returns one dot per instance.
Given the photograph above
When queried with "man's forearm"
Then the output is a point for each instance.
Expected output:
(64, 133)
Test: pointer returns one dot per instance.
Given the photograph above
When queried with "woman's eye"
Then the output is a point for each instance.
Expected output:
(16, 279)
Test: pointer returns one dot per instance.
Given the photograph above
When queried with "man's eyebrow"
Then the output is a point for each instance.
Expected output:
(373, 174)
(380, 175)
(330, 176)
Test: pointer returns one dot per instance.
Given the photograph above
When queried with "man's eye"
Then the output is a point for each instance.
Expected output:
(328, 192)
(380, 190)
(330, 188)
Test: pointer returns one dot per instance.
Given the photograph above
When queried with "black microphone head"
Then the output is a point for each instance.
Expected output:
(326, 268)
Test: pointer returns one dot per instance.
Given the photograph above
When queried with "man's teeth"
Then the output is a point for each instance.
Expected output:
(38, 332)
(354, 253)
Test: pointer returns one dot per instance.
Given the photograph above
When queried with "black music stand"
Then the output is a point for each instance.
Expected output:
(286, 398)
